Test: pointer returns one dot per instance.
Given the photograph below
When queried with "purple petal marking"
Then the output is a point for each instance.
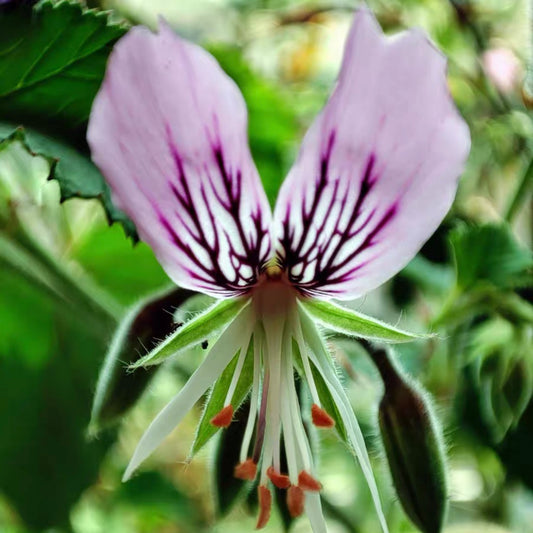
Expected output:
(326, 260)
(377, 170)
(230, 201)
(168, 130)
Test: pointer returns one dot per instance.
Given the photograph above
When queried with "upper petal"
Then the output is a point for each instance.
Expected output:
(377, 170)
(168, 130)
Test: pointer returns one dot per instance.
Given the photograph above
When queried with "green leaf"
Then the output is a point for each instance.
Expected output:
(206, 430)
(52, 62)
(52, 66)
(117, 390)
(195, 331)
(355, 324)
(489, 254)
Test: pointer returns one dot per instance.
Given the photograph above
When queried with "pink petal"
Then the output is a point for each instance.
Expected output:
(377, 170)
(168, 130)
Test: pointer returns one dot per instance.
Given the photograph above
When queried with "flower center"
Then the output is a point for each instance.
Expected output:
(275, 419)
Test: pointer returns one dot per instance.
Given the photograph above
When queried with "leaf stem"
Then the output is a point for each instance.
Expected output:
(520, 194)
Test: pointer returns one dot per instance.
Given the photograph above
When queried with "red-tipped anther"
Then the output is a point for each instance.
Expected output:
(281, 481)
(321, 419)
(295, 500)
(223, 418)
(308, 482)
(265, 503)
(246, 470)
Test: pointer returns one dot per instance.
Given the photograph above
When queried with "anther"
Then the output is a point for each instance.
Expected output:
(295, 500)
(321, 419)
(265, 503)
(246, 470)
(308, 482)
(223, 418)
(281, 481)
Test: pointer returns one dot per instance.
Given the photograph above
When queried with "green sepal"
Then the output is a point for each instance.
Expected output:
(413, 444)
(353, 324)
(195, 331)
(215, 403)
(117, 389)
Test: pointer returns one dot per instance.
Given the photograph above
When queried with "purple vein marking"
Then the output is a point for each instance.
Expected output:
(331, 260)
(225, 189)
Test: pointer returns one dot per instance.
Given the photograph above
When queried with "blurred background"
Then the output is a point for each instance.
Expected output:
(68, 277)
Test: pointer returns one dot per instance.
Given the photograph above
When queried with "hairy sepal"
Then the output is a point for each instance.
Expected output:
(194, 332)
(353, 324)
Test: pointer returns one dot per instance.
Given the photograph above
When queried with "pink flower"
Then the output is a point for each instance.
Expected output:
(502, 67)
(376, 173)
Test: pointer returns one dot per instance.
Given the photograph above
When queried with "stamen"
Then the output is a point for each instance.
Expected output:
(246, 470)
(265, 504)
(305, 359)
(237, 373)
(254, 399)
(321, 419)
(288, 430)
(223, 418)
(308, 482)
(295, 500)
(281, 481)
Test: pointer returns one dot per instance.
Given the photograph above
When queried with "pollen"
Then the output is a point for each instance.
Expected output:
(273, 271)
(321, 419)
(246, 470)
(308, 482)
(265, 504)
(223, 418)
(281, 481)
(295, 500)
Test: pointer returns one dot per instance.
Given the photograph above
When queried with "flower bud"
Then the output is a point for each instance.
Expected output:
(413, 447)
(118, 389)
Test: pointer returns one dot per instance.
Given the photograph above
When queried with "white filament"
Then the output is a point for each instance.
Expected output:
(213, 365)
(258, 346)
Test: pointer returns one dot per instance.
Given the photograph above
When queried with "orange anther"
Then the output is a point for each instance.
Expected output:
(295, 500)
(321, 419)
(246, 470)
(223, 418)
(265, 503)
(281, 481)
(308, 482)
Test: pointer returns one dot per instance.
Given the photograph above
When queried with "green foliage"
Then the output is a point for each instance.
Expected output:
(52, 62)
(489, 254)
(76, 175)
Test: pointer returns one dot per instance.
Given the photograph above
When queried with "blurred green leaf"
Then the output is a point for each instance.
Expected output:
(490, 254)
(153, 495)
(48, 364)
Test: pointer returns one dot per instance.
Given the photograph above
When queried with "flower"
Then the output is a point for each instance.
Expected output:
(376, 173)
(502, 67)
